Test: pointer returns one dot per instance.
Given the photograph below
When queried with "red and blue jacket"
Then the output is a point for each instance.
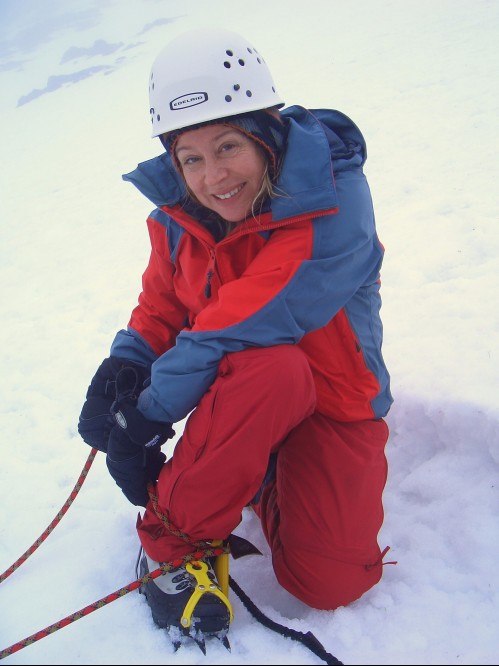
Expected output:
(305, 272)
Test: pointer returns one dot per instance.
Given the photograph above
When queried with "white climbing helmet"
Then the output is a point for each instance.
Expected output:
(207, 74)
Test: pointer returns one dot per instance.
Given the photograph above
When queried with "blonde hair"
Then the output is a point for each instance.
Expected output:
(267, 191)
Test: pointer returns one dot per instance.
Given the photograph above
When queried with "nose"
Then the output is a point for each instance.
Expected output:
(215, 172)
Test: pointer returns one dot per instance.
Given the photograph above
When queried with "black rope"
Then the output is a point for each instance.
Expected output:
(308, 639)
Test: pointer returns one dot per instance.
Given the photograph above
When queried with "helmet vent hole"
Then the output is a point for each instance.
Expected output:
(153, 86)
(249, 50)
(273, 89)
(158, 117)
(259, 61)
(249, 93)
(228, 98)
(236, 86)
(229, 52)
(227, 64)
(241, 62)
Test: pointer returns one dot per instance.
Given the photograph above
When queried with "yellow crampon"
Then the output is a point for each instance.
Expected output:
(221, 568)
(204, 585)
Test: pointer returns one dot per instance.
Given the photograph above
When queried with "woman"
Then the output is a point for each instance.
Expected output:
(259, 314)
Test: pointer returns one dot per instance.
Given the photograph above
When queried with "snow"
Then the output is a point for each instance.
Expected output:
(417, 77)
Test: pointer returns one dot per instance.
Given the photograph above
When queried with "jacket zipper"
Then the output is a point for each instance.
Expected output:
(277, 225)
(186, 223)
(209, 274)
(256, 227)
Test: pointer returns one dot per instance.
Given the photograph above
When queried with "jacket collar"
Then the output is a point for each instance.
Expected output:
(319, 142)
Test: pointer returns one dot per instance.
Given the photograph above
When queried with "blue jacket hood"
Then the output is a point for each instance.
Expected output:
(321, 144)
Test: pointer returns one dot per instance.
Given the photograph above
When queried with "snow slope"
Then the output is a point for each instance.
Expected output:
(417, 77)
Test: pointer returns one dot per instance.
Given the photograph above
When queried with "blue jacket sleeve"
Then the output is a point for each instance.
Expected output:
(130, 345)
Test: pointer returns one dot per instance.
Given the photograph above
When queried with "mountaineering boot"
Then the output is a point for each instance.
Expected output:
(187, 601)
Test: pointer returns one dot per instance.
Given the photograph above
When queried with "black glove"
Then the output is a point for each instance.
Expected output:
(134, 454)
(132, 466)
(95, 420)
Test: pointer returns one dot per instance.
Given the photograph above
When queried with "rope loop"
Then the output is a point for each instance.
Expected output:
(203, 548)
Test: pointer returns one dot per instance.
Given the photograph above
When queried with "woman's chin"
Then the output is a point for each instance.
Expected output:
(234, 215)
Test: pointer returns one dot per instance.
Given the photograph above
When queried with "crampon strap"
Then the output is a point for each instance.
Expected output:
(308, 639)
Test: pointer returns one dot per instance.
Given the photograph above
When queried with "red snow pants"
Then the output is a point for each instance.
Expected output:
(320, 515)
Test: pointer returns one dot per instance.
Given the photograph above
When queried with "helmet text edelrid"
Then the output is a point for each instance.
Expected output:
(191, 99)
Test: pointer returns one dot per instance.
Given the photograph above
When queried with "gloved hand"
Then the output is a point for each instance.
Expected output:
(133, 466)
(134, 454)
(95, 422)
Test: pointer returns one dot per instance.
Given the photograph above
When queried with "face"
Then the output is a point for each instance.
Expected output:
(223, 168)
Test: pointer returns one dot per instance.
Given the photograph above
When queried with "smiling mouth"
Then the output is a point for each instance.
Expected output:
(229, 195)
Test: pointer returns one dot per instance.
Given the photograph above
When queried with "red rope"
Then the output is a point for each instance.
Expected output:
(164, 568)
(202, 550)
(165, 519)
(56, 520)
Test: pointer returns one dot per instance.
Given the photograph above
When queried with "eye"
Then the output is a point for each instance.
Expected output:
(227, 147)
(190, 160)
